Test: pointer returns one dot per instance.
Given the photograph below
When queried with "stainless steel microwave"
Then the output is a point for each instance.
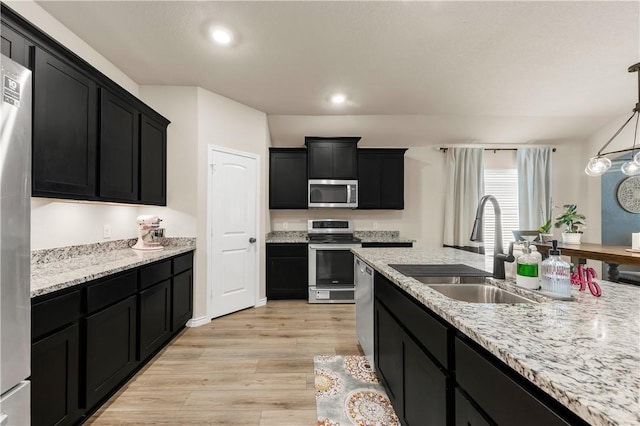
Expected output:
(333, 193)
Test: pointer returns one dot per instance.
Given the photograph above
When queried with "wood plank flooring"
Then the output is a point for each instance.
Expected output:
(253, 367)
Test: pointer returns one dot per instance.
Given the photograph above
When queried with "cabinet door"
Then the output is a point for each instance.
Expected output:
(182, 299)
(119, 148)
(392, 182)
(55, 378)
(288, 179)
(153, 162)
(466, 414)
(287, 278)
(345, 160)
(64, 130)
(111, 349)
(368, 181)
(14, 46)
(425, 388)
(388, 348)
(320, 160)
(155, 316)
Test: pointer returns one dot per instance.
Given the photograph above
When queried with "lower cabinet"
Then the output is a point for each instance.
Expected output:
(287, 271)
(55, 378)
(155, 318)
(182, 299)
(111, 348)
(434, 375)
(88, 340)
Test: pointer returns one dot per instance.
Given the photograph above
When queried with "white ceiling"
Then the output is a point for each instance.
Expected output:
(544, 71)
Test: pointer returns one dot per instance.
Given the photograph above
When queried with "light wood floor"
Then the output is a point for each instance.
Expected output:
(254, 367)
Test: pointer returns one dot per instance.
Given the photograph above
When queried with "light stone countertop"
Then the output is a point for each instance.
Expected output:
(584, 353)
(365, 236)
(64, 267)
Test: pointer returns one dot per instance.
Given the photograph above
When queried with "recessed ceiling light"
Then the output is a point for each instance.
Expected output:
(338, 98)
(221, 36)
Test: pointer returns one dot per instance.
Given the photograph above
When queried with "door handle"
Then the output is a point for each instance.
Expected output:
(252, 240)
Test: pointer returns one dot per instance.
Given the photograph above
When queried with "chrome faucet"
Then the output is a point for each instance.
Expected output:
(478, 235)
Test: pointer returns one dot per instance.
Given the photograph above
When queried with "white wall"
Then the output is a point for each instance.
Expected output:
(56, 223)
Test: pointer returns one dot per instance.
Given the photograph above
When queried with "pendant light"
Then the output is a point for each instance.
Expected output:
(599, 164)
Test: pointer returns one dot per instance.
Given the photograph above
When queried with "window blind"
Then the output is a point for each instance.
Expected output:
(502, 184)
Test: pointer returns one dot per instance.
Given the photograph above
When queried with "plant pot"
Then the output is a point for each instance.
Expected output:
(546, 238)
(571, 237)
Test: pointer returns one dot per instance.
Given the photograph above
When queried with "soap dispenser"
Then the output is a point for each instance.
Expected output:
(527, 269)
(556, 273)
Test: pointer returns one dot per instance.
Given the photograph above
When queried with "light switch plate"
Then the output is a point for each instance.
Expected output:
(106, 231)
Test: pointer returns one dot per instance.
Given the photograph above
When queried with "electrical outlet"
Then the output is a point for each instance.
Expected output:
(106, 231)
(375, 225)
(285, 225)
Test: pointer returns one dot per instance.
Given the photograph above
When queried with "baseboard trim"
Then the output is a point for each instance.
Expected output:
(260, 302)
(197, 322)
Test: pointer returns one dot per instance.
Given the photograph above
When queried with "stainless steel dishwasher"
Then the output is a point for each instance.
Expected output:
(364, 308)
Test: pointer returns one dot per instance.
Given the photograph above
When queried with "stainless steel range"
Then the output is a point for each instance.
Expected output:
(331, 271)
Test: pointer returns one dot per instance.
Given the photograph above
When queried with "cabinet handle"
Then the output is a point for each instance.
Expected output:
(3, 419)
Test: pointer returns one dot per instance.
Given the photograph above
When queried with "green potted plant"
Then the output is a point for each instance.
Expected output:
(573, 221)
(545, 231)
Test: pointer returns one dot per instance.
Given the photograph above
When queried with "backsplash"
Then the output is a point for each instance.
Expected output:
(61, 253)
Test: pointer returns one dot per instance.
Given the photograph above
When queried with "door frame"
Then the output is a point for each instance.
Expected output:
(211, 150)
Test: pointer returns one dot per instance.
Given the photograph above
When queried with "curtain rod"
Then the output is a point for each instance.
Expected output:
(443, 149)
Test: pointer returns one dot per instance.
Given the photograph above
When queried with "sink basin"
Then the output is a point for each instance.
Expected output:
(478, 293)
(451, 280)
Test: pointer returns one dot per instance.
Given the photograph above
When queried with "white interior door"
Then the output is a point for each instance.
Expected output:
(232, 265)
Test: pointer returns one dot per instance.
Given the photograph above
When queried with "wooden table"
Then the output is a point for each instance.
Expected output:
(613, 256)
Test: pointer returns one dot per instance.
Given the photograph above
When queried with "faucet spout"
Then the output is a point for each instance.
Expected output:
(477, 234)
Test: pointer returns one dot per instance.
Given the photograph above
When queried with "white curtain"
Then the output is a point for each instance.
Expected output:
(465, 187)
(534, 186)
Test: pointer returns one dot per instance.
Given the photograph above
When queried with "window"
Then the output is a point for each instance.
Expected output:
(502, 184)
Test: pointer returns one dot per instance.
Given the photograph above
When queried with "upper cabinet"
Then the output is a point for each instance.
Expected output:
(287, 178)
(65, 106)
(381, 179)
(332, 158)
(92, 139)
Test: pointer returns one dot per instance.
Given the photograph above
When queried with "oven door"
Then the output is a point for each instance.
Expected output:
(331, 265)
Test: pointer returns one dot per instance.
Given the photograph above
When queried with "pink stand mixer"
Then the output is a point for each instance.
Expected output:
(149, 233)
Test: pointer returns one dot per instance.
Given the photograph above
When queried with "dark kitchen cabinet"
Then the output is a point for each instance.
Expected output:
(381, 179)
(55, 367)
(64, 130)
(425, 387)
(467, 414)
(88, 340)
(110, 348)
(153, 161)
(155, 318)
(332, 158)
(92, 139)
(182, 299)
(287, 271)
(437, 376)
(119, 148)
(55, 360)
(288, 178)
(14, 46)
(388, 348)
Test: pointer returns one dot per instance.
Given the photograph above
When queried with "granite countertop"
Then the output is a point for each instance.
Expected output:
(60, 268)
(365, 236)
(584, 353)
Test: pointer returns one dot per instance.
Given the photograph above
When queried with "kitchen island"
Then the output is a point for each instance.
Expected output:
(583, 354)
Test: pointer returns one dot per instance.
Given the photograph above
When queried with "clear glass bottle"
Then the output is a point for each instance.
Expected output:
(556, 273)
(527, 268)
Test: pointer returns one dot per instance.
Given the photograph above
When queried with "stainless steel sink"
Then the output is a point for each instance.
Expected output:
(451, 280)
(479, 293)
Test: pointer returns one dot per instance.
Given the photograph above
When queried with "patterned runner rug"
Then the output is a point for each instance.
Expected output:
(348, 392)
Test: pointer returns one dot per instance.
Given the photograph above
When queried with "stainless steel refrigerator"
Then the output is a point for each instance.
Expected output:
(15, 253)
